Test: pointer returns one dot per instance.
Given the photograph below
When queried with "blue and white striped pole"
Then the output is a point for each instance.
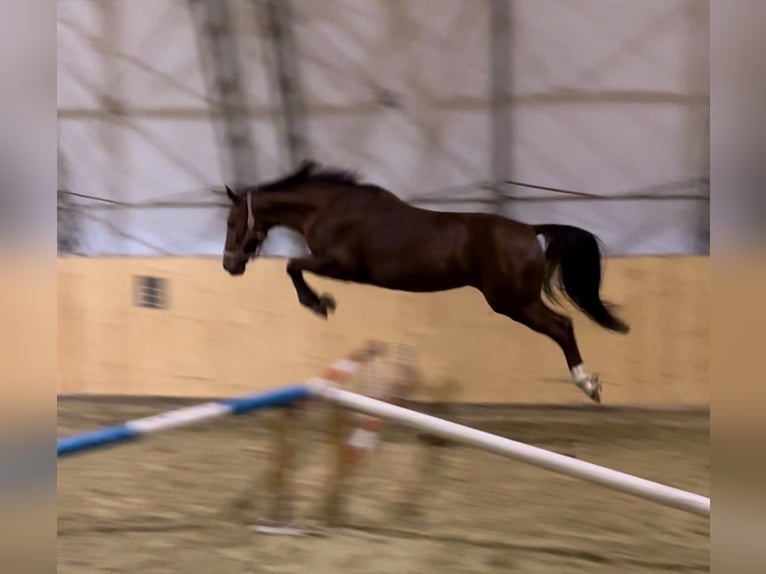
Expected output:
(134, 429)
(131, 430)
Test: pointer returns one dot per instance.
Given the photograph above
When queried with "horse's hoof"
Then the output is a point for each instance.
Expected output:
(324, 306)
(591, 387)
(320, 312)
(327, 303)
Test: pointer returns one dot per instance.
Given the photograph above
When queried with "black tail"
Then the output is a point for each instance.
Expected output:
(574, 266)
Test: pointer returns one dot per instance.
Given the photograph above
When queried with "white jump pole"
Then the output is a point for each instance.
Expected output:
(590, 472)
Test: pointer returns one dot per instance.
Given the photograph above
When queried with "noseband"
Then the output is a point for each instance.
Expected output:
(250, 225)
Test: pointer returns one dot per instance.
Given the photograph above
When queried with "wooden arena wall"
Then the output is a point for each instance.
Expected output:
(221, 335)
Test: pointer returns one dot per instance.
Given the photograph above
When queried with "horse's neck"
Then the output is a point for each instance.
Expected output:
(290, 209)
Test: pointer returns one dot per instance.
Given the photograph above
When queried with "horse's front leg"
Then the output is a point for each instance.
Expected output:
(320, 304)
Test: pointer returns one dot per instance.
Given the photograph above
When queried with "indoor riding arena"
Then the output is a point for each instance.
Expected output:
(218, 411)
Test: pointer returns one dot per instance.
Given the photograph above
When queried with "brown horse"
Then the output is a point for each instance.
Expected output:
(361, 233)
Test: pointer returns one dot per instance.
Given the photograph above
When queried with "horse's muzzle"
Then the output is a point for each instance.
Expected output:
(234, 266)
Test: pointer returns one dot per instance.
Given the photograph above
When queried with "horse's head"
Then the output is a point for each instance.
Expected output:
(244, 234)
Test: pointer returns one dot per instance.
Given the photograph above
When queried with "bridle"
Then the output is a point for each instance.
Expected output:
(250, 214)
(250, 226)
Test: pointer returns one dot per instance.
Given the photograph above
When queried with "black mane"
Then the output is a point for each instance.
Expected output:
(310, 171)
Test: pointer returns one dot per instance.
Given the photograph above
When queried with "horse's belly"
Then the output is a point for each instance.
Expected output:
(400, 276)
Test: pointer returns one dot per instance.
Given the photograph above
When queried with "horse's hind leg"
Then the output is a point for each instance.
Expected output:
(540, 318)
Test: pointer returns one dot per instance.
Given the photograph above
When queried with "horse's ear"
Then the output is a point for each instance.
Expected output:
(307, 166)
(232, 196)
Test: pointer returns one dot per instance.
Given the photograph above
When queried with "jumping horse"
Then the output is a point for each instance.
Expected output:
(359, 232)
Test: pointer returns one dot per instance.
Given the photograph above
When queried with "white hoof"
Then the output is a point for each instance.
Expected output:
(591, 387)
(588, 383)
